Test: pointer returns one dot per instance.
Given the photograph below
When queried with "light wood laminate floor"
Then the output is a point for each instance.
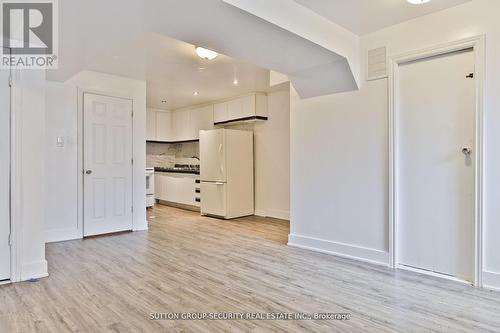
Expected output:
(188, 263)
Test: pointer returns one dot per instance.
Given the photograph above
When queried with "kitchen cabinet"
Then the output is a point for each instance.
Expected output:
(151, 125)
(177, 188)
(241, 108)
(201, 119)
(163, 126)
(185, 125)
(174, 126)
(181, 124)
(249, 107)
(220, 112)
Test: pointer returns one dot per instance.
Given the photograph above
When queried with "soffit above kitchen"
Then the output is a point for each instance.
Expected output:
(366, 16)
(95, 29)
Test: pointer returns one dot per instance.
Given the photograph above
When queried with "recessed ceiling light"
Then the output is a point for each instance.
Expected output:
(206, 53)
(235, 82)
(196, 93)
(418, 2)
(164, 101)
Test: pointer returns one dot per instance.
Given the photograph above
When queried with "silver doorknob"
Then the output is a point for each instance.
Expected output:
(88, 172)
(466, 151)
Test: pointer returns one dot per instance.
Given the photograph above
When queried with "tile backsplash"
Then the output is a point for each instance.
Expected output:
(167, 155)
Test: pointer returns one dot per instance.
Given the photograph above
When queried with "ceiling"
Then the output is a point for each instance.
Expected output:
(365, 16)
(135, 44)
(174, 72)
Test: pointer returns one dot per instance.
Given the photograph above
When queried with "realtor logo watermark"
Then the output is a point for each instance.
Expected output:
(29, 32)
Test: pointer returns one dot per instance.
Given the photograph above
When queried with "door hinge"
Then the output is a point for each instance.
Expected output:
(470, 76)
(132, 161)
(10, 238)
(11, 81)
(132, 209)
(132, 114)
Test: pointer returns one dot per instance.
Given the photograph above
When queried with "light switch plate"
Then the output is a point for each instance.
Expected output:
(60, 142)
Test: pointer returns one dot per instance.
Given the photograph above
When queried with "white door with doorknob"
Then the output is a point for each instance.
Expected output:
(107, 164)
(435, 149)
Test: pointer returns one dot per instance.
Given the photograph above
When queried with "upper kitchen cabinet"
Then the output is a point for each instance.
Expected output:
(201, 119)
(164, 126)
(181, 124)
(150, 125)
(220, 113)
(178, 126)
(251, 107)
(186, 124)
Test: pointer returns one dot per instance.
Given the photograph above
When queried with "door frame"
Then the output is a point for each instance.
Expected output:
(14, 184)
(15, 177)
(477, 43)
(80, 160)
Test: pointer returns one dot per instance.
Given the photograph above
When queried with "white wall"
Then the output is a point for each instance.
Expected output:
(272, 157)
(62, 174)
(28, 174)
(61, 163)
(340, 198)
(339, 175)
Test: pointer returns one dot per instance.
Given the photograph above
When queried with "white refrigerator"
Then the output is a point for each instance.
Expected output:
(226, 173)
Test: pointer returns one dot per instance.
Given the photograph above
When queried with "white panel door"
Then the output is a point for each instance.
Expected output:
(436, 165)
(108, 164)
(212, 156)
(4, 174)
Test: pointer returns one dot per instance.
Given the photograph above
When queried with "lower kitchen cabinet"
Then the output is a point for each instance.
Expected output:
(177, 188)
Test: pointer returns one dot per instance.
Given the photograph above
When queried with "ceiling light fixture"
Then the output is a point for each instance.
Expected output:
(418, 2)
(196, 93)
(206, 53)
(235, 82)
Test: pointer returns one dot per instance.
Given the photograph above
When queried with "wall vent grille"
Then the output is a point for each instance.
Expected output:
(377, 64)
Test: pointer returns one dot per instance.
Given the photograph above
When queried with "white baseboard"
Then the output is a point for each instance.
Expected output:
(61, 235)
(67, 234)
(261, 213)
(279, 214)
(274, 213)
(491, 280)
(34, 270)
(340, 249)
